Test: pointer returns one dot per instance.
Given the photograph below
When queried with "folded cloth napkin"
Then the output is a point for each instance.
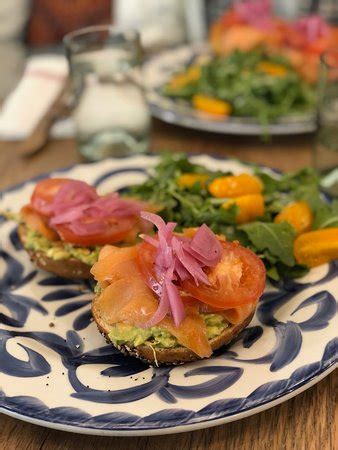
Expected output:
(40, 85)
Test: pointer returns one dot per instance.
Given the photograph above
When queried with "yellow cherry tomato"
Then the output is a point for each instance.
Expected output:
(276, 70)
(189, 179)
(211, 105)
(250, 207)
(316, 247)
(298, 214)
(235, 186)
(192, 74)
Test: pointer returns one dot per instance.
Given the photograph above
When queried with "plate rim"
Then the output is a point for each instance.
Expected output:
(326, 366)
(210, 423)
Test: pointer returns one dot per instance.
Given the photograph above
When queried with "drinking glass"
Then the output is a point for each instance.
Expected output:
(326, 141)
(110, 111)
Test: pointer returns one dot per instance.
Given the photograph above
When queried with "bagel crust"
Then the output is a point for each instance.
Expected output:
(66, 268)
(156, 356)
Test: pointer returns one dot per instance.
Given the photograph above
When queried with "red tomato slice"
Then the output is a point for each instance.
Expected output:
(37, 223)
(112, 232)
(45, 192)
(239, 278)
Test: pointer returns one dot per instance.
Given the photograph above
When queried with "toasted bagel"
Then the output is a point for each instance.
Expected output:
(66, 268)
(167, 356)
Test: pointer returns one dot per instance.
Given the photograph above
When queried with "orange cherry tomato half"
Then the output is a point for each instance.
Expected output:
(37, 223)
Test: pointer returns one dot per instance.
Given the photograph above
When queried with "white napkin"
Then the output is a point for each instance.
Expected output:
(39, 87)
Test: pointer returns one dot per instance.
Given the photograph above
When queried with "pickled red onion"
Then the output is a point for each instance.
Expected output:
(255, 12)
(191, 264)
(177, 259)
(161, 312)
(42, 206)
(205, 246)
(71, 194)
(68, 215)
(313, 27)
(87, 228)
(78, 206)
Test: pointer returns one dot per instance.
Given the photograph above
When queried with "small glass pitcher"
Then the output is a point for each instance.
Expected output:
(111, 114)
(326, 141)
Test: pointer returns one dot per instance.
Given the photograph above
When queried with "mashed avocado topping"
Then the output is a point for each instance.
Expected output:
(122, 333)
(58, 250)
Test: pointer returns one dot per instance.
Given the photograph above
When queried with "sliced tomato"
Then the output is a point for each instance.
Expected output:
(111, 231)
(37, 222)
(239, 278)
(45, 192)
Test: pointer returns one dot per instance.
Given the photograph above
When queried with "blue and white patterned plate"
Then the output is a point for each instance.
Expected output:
(158, 70)
(56, 369)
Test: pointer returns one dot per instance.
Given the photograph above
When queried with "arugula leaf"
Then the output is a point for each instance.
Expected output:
(270, 183)
(276, 239)
(291, 181)
(326, 215)
(272, 273)
(296, 271)
(311, 195)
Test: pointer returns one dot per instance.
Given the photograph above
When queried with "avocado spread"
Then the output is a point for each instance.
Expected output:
(122, 333)
(58, 250)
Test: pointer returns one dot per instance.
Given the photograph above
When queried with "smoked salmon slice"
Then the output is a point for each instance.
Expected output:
(115, 263)
(127, 299)
(130, 301)
(37, 223)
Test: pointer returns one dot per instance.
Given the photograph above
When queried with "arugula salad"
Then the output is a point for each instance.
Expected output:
(284, 219)
(245, 84)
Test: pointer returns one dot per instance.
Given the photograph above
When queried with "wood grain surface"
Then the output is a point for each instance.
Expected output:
(306, 422)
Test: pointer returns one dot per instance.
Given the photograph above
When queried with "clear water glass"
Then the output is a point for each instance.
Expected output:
(110, 113)
(326, 141)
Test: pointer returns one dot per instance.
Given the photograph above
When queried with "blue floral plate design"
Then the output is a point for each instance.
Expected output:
(56, 369)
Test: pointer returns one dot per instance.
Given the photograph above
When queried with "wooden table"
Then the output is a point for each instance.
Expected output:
(304, 422)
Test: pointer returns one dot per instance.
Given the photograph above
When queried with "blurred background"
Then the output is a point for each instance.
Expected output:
(37, 26)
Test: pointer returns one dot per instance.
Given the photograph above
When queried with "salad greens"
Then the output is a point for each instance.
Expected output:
(255, 83)
(275, 239)
(193, 206)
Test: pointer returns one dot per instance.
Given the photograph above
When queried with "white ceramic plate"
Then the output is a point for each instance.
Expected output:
(158, 70)
(56, 369)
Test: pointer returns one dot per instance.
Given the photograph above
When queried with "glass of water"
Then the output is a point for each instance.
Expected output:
(110, 111)
(326, 142)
